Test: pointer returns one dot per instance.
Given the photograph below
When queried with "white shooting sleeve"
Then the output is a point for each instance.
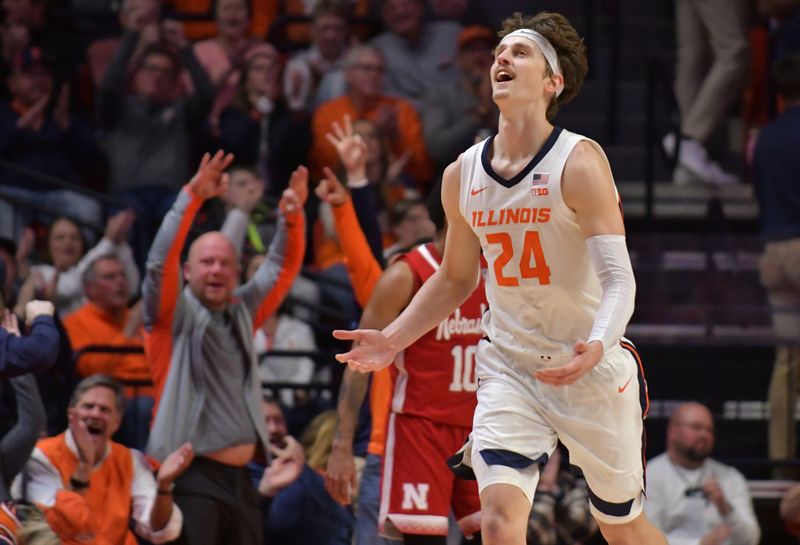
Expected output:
(609, 256)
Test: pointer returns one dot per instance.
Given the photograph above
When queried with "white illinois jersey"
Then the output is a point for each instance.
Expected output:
(542, 289)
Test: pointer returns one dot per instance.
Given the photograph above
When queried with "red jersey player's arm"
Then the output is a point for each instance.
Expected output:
(455, 280)
(588, 189)
(390, 296)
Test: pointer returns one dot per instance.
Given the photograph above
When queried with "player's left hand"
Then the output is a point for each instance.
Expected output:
(586, 356)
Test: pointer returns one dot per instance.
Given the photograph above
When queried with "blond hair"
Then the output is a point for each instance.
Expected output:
(317, 439)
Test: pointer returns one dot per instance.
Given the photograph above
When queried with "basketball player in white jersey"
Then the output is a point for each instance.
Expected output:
(541, 204)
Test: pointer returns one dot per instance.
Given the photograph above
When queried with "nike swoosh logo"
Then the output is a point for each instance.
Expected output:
(621, 389)
(476, 191)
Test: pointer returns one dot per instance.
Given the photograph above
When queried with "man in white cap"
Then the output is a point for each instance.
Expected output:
(540, 204)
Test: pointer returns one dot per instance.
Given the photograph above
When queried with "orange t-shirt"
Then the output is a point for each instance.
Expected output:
(90, 325)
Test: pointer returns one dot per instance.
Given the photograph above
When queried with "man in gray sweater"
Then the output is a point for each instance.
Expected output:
(199, 344)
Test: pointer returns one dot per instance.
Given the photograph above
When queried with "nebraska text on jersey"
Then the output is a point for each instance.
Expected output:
(459, 325)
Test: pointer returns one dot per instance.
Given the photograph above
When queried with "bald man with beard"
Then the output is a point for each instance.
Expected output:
(692, 498)
(198, 341)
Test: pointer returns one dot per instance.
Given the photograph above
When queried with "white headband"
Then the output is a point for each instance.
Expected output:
(546, 48)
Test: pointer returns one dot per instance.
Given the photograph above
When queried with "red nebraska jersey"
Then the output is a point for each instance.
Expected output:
(435, 377)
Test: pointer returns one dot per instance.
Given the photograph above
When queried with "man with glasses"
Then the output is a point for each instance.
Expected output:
(396, 118)
(692, 498)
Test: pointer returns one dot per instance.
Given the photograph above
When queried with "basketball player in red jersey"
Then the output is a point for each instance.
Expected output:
(540, 203)
(432, 404)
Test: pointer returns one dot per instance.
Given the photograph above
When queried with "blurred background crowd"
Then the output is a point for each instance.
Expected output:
(107, 106)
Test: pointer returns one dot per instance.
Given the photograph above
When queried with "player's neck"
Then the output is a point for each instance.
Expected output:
(520, 135)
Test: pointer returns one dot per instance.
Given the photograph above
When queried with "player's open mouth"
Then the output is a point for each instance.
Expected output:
(503, 76)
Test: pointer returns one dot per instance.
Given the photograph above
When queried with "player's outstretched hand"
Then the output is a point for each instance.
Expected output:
(586, 356)
(294, 196)
(371, 350)
(210, 179)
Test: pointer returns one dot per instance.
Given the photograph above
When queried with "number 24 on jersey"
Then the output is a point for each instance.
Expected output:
(531, 264)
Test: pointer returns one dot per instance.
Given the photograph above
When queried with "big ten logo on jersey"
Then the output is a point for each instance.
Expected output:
(509, 216)
(465, 378)
(415, 496)
(539, 184)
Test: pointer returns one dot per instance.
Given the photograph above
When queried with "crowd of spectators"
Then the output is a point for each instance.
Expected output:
(384, 94)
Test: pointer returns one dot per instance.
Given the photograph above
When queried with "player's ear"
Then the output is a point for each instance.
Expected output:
(554, 83)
